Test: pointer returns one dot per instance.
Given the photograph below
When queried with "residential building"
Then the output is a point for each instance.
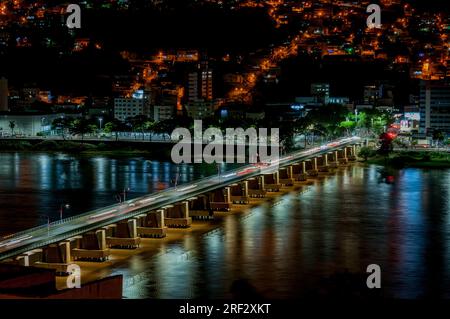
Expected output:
(163, 112)
(434, 106)
(200, 83)
(139, 104)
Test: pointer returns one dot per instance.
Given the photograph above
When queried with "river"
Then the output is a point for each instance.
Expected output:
(317, 242)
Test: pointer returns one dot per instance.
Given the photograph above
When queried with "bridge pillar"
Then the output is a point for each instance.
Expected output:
(256, 187)
(323, 167)
(272, 182)
(286, 176)
(334, 160)
(124, 235)
(220, 199)
(200, 208)
(351, 153)
(239, 193)
(177, 216)
(311, 169)
(55, 256)
(151, 224)
(299, 172)
(342, 156)
(29, 258)
(92, 247)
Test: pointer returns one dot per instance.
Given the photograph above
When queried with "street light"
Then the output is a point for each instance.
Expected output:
(61, 210)
(119, 196)
(100, 119)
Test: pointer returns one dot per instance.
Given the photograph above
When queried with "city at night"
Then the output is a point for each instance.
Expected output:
(182, 153)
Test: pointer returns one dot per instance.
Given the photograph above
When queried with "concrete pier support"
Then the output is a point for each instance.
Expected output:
(124, 235)
(200, 208)
(272, 182)
(177, 216)
(92, 247)
(151, 224)
(342, 156)
(299, 172)
(322, 163)
(311, 167)
(256, 187)
(29, 258)
(239, 193)
(55, 256)
(333, 159)
(220, 199)
(286, 176)
(351, 153)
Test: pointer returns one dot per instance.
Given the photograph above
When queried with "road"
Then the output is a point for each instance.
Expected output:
(40, 236)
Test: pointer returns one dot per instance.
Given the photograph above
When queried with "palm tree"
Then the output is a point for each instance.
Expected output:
(12, 125)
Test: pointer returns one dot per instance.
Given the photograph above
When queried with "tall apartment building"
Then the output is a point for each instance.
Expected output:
(434, 106)
(200, 83)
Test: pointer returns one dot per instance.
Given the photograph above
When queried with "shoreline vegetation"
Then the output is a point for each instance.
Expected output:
(86, 149)
(407, 159)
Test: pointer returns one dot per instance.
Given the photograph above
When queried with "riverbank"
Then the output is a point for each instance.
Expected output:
(404, 159)
(162, 151)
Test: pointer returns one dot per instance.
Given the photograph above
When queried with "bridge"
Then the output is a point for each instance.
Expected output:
(90, 236)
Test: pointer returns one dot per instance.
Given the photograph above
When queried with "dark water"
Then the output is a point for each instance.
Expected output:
(33, 186)
(305, 244)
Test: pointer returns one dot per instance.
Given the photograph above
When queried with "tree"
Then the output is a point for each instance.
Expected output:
(165, 127)
(115, 126)
(366, 152)
(12, 126)
(149, 126)
(438, 136)
(348, 125)
(62, 124)
(82, 127)
(138, 124)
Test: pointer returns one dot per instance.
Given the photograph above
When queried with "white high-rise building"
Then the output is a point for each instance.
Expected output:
(125, 108)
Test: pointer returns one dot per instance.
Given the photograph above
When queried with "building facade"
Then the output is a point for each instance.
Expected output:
(434, 107)
(200, 84)
(125, 108)
(26, 124)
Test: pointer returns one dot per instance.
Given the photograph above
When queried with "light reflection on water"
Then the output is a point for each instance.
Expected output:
(289, 249)
(35, 185)
(399, 220)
